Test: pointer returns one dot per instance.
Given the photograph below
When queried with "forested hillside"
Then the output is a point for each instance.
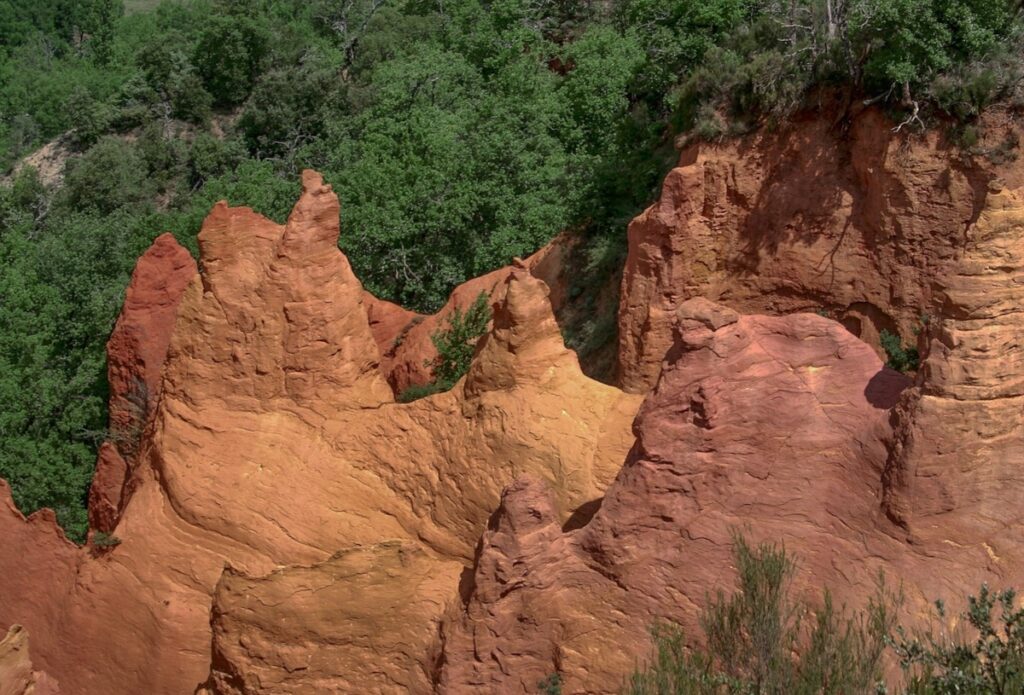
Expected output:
(457, 133)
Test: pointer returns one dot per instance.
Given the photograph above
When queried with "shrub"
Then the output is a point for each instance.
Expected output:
(552, 685)
(901, 358)
(456, 344)
(759, 641)
(104, 540)
(455, 347)
(991, 662)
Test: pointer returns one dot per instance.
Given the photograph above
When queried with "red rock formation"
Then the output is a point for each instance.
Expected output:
(37, 570)
(810, 217)
(17, 675)
(293, 529)
(138, 345)
(136, 353)
(107, 489)
(766, 423)
(954, 475)
(275, 444)
(384, 602)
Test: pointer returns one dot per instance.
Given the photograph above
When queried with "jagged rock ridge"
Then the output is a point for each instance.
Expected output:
(287, 528)
(273, 453)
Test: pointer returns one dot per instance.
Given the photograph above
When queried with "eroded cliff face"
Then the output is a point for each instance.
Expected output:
(857, 222)
(274, 454)
(17, 674)
(286, 527)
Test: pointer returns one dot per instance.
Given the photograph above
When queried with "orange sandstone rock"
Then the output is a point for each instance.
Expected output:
(366, 620)
(37, 574)
(17, 676)
(275, 443)
(856, 223)
(761, 423)
(954, 471)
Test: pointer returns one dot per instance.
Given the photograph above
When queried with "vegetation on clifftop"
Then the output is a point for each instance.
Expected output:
(458, 134)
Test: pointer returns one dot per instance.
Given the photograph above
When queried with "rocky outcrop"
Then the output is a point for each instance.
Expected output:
(366, 620)
(953, 475)
(17, 676)
(285, 526)
(764, 424)
(37, 572)
(855, 223)
(275, 448)
(138, 344)
(136, 353)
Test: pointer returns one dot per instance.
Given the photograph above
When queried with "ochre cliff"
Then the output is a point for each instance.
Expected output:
(273, 443)
(856, 222)
(286, 527)
(17, 675)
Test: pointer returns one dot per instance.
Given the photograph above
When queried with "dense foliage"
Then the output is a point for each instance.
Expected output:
(902, 358)
(758, 641)
(458, 134)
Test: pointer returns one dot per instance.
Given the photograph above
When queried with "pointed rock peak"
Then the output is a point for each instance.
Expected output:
(137, 348)
(524, 342)
(235, 235)
(525, 314)
(313, 225)
(161, 272)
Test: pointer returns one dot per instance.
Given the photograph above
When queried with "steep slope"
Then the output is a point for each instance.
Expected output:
(773, 426)
(17, 675)
(136, 353)
(286, 527)
(954, 472)
(759, 423)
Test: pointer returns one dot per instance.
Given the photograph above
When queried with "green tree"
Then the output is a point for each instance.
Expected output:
(445, 173)
(109, 176)
(229, 56)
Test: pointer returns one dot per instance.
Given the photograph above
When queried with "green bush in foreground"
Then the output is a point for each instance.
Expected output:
(992, 661)
(759, 642)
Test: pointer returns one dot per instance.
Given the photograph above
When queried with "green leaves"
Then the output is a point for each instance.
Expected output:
(455, 345)
(446, 173)
(758, 641)
(229, 57)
